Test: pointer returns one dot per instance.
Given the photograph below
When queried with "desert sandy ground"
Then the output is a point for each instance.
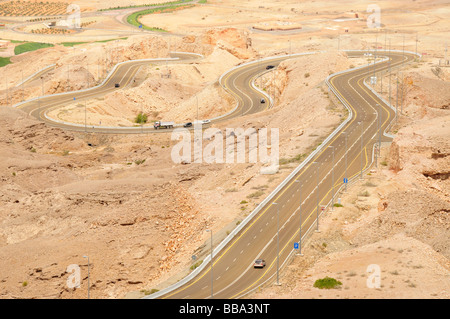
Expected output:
(140, 217)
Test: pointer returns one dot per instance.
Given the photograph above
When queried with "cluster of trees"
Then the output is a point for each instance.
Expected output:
(28, 8)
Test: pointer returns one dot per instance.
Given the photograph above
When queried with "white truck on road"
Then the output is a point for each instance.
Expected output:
(160, 124)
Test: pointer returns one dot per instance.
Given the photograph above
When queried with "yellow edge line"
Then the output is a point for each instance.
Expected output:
(262, 214)
(304, 222)
(290, 240)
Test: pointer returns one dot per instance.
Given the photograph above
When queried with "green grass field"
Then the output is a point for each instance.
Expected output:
(71, 44)
(4, 61)
(148, 5)
(133, 18)
(30, 46)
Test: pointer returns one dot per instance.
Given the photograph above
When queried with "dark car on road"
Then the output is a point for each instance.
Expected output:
(117, 85)
(189, 124)
(269, 67)
(263, 101)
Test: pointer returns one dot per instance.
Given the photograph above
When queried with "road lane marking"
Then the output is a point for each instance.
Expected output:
(288, 186)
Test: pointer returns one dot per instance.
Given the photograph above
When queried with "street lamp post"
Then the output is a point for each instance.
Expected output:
(317, 197)
(85, 116)
(362, 135)
(332, 179)
(346, 159)
(300, 213)
(379, 127)
(390, 74)
(278, 242)
(23, 89)
(42, 93)
(89, 275)
(212, 276)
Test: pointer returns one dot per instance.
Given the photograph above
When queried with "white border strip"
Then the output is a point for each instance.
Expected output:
(34, 74)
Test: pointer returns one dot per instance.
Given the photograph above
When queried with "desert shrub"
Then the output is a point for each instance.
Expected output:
(364, 194)
(327, 283)
(256, 194)
(141, 118)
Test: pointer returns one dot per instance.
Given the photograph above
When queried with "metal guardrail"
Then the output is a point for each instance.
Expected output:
(99, 85)
(34, 74)
(253, 82)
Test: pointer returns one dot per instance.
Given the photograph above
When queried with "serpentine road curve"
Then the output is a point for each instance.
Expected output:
(271, 230)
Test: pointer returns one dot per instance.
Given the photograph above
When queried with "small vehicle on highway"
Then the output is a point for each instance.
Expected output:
(263, 101)
(188, 124)
(269, 67)
(117, 85)
(166, 125)
(259, 263)
(206, 121)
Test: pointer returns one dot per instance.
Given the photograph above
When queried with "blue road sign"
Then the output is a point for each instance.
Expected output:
(74, 98)
(295, 245)
(345, 180)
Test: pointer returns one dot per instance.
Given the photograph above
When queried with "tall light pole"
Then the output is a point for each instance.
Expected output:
(212, 276)
(390, 72)
(362, 135)
(332, 179)
(278, 242)
(85, 116)
(197, 105)
(403, 91)
(385, 44)
(379, 127)
(68, 76)
(317, 196)
(445, 56)
(417, 39)
(403, 47)
(89, 275)
(7, 91)
(346, 159)
(23, 89)
(42, 93)
(375, 59)
(300, 213)
(339, 41)
(290, 47)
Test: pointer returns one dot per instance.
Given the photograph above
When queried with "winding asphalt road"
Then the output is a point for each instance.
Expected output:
(272, 232)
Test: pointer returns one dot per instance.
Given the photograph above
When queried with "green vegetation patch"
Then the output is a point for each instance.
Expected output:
(71, 44)
(141, 118)
(198, 263)
(4, 61)
(30, 46)
(149, 5)
(327, 283)
(296, 159)
(133, 18)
